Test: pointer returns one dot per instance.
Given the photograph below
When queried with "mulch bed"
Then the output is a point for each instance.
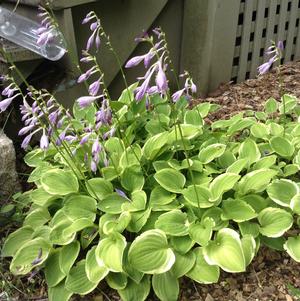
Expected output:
(273, 276)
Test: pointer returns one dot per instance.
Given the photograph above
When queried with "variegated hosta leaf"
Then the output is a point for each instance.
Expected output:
(170, 179)
(149, 253)
(160, 196)
(256, 181)
(173, 223)
(67, 256)
(265, 162)
(58, 235)
(201, 232)
(113, 203)
(215, 213)
(138, 201)
(181, 244)
(183, 263)
(110, 251)
(77, 281)
(282, 191)
(237, 166)
(274, 222)
(136, 291)
(37, 217)
(95, 268)
(60, 182)
(138, 220)
(99, 188)
(295, 204)
(53, 273)
(250, 151)
(221, 184)
(226, 251)
(131, 272)
(248, 228)
(165, 286)
(59, 292)
(211, 152)
(282, 146)
(132, 178)
(202, 272)
(237, 210)
(292, 246)
(154, 144)
(249, 247)
(33, 253)
(259, 130)
(117, 281)
(198, 196)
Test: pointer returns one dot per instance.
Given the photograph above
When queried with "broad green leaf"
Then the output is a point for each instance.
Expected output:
(249, 246)
(67, 256)
(237, 166)
(138, 220)
(226, 159)
(99, 188)
(160, 196)
(58, 236)
(282, 191)
(237, 210)
(110, 250)
(136, 291)
(290, 169)
(59, 292)
(31, 254)
(37, 217)
(173, 223)
(259, 130)
(221, 184)
(132, 273)
(154, 145)
(204, 108)
(265, 162)
(202, 272)
(249, 228)
(295, 204)
(132, 178)
(76, 226)
(274, 222)
(165, 286)
(271, 106)
(215, 214)
(40, 197)
(211, 152)
(131, 156)
(249, 151)
(54, 275)
(77, 206)
(60, 182)
(257, 202)
(187, 131)
(226, 251)
(183, 263)
(240, 125)
(282, 146)
(288, 103)
(181, 244)
(198, 196)
(109, 173)
(292, 246)
(113, 203)
(138, 201)
(77, 281)
(201, 232)
(256, 181)
(193, 117)
(273, 243)
(16, 240)
(150, 253)
(170, 179)
(116, 281)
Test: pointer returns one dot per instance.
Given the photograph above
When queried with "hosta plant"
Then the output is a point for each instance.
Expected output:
(141, 191)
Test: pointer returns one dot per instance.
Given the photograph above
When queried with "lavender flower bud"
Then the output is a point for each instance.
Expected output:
(94, 88)
(280, 45)
(96, 148)
(161, 79)
(85, 101)
(134, 61)
(26, 141)
(177, 95)
(94, 166)
(85, 138)
(26, 129)
(4, 104)
(44, 142)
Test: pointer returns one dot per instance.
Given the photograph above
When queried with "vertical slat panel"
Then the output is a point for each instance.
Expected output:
(282, 20)
(297, 48)
(257, 36)
(271, 23)
(249, 6)
(291, 31)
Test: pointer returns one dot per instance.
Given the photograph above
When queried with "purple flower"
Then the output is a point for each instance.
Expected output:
(97, 41)
(4, 104)
(193, 87)
(44, 142)
(44, 38)
(85, 101)
(280, 45)
(262, 69)
(83, 77)
(85, 138)
(90, 41)
(94, 88)
(26, 141)
(134, 61)
(176, 96)
(109, 134)
(26, 129)
(96, 148)
(94, 166)
(161, 79)
(121, 193)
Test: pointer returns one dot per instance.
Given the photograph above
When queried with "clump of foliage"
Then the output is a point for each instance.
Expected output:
(143, 191)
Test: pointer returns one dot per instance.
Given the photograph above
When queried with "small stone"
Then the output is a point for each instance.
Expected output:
(209, 298)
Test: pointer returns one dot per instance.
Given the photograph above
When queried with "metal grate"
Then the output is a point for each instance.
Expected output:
(259, 22)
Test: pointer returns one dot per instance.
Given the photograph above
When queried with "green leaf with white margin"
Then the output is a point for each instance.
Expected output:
(154, 145)
(59, 292)
(16, 240)
(237, 166)
(292, 246)
(138, 201)
(188, 131)
(113, 203)
(173, 223)
(249, 151)
(274, 222)
(170, 179)
(271, 106)
(132, 178)
(181, 244)
(77, 206)
(116, 281)
(160, 196)
(295, 204)
(211, 152)
(99, 188)
(265, 162)
(248, 228)
(249, 246)
(37, 217)
(282, 146)
(110, 250)
(256, 201)
(60, 182)
(67, 256)
(288, 103)
(58, 236)
(77, 281)
(193, 117)
(215, 214)
(273, 243)
(138, 220)
(40, 197)
(259, 130)
(221, 184)
(237, 210)
(226, 251)
(53, 274)
(77, 226)
(255, 181)
(202, 272)
(165, 286)
(201, 232)
(131, 272)
(183, 263)
(282, 191)
(150, 253)
(32, 254)
(136, 291)
(198, 196)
